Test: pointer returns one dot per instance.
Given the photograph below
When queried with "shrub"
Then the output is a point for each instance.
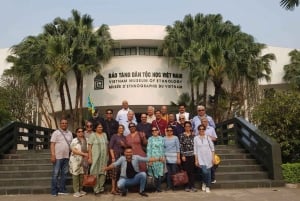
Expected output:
(291, 172)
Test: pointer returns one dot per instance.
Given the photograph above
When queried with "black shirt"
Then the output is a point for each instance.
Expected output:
(130, 172)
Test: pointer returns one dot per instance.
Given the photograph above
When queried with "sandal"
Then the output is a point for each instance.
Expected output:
(115, 193)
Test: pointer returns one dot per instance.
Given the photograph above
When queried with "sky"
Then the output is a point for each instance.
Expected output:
(265, 20)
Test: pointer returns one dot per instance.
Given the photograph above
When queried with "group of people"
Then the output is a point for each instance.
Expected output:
(127, 151)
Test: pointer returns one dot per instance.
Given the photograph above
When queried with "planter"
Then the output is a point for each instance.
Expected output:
(290, 185)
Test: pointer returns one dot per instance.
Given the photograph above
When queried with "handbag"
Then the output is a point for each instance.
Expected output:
(89, 180)
(217, 159)
(180, 178)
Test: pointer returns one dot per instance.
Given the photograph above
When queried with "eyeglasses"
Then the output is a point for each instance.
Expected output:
(201, 129)
(181, 118)
(131, 126)
(108, 112)
(80, 131)
(154, 130)
(89, 126)
(143, 117)
(200, 110)
(170, 130)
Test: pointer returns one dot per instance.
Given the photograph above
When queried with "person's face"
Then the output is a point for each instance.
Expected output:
(132, 128)
(109, 114)
(164, 110)
(158, 115)
(204, 122)
(201, 112)
(201, 131)
(154, 131)
(143, 118)
(187, 127)
(120, 129)
(99, 129)
(181, 119)
(79, 133)
(130, 116)
(128, 153)
(181, 109)
(125, 105)
(64, 124)
(150, 111)
(171, 118)
(89, 127)
(169, 131)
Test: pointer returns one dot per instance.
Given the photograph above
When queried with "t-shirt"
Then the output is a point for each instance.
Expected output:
(130, 172)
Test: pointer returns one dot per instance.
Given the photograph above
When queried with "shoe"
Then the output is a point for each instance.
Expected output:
(82, 193)
(187, 190)
(203, 187)
(158, 191)
(63, 193)
(54, 195)
(214, 181)
(207, 190)
(124, 193)
(77, 195)
(115, 193)
(143, 194)
(194, 189)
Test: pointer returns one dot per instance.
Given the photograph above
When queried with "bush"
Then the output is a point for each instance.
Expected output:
(291, 172)
(278, 116)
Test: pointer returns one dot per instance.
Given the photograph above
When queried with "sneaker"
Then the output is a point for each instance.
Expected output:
(54, 195)
(63, 193)
(203, 187)
(82, 193)
(143, 194)
(187, 190)
(194, 190)
(77, 195)
(207, 190)
(214, 181)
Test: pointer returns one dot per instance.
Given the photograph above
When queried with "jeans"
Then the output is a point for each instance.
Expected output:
(140, 178)
(206, 174)
(172, 169)
(60, 169)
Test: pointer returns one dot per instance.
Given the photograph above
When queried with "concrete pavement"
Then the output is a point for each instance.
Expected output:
(251, 194)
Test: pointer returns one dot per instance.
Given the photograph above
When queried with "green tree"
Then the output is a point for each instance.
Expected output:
(292, 70)
(278, 117)
(289, 4)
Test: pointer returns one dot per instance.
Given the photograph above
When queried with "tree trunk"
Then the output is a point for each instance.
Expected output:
(62, 100)
(69, 100)
(205, 92)
(51, 103)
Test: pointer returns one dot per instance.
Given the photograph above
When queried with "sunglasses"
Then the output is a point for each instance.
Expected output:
(80, 131)
(131, 126)
(200, 110)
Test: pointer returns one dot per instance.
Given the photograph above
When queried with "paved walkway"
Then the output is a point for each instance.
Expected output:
(252, 194)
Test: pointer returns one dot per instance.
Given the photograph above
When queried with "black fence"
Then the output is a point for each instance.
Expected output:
(266, 150)
(17, 135)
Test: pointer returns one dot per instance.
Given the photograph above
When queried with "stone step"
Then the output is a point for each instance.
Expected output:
(235, 156)
(238, 162)
(25, 161)
(241, 175)
(27, 173)
(37, 181)
(13, 167)
(254, 183)
(239, 168)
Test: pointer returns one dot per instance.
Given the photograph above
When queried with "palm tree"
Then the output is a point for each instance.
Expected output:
(292, 70)
(289, 4)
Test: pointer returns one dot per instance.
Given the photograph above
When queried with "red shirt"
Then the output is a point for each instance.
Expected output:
(161, 125)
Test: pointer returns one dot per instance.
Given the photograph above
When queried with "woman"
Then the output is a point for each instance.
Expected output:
(116, 149)
(204, 156)
(136, 140)
(172, 154)
(77, 166)
(155, 149)
(186, 140)
(88, 130)
(98, 156)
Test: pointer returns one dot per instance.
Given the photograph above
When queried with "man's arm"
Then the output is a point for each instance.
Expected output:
(52, 150)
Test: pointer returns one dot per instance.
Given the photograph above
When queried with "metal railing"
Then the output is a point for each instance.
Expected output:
(17, 135)
(265, 149)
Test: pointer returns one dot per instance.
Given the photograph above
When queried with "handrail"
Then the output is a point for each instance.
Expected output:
(18, 135)
(265, 149)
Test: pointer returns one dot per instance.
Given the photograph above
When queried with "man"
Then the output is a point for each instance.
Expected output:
(197, 119)
(60, 152)
(160, 123)
(130, 173)
(164, 113)
(122, 114)
(181, 109)
(144, 126)
(96, 119)
(150, 114)
(110, 125)
(130, 119)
